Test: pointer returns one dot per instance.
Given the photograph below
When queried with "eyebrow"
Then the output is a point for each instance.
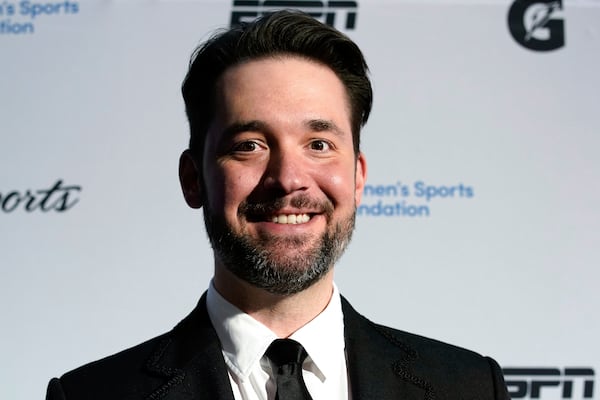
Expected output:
(315, 125)
(324, 125)
(238, 127)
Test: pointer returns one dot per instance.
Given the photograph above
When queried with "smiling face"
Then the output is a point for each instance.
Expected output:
(281, 180)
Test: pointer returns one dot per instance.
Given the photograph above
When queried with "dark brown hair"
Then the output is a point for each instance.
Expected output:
(279, 33)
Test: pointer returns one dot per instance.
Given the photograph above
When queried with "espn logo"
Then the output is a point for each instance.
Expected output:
(532, 383)
(325, 11)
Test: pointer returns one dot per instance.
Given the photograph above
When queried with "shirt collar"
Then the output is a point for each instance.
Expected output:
(323, 337)
(244, 340)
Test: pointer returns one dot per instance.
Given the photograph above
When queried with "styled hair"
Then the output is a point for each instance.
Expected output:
(279, 33)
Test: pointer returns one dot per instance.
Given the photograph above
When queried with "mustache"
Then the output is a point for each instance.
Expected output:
(272, 206)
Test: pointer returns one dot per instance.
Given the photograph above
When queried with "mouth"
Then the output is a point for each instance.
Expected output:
(297, 211)
(291, 219)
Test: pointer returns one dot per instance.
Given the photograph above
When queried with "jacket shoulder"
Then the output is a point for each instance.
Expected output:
(448, 367)
(166, 364)
(440, 370)
(127, 374)
(425, 347)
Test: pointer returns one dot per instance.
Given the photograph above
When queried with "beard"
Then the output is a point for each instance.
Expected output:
(259, 261)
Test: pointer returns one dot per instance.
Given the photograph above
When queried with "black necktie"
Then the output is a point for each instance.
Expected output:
(287, 356)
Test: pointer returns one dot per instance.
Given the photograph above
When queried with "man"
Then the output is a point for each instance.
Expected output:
(275, 110)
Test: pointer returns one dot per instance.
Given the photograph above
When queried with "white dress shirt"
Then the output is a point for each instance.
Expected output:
(244, 341)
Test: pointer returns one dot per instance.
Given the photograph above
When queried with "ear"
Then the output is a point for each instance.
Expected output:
(190, 178)
(360, 178)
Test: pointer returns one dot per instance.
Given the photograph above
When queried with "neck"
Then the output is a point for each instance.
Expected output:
(283, 314)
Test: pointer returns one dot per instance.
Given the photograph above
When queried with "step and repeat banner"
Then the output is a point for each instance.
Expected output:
(479, 224)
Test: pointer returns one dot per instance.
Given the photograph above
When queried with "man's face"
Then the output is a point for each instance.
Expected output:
(281, 178)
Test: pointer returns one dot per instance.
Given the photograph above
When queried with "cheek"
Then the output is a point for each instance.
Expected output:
(338, 185)
(337, 180)
(238, 184)
(220, 189)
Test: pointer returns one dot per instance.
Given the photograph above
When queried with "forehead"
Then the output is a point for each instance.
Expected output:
(283, 82)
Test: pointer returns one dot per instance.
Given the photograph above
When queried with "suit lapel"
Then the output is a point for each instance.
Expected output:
(190, 359)
(379, 364)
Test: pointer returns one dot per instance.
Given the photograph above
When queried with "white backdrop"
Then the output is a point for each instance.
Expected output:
(501, 258)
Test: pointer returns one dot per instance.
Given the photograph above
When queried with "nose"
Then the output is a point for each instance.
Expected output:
(286, 172)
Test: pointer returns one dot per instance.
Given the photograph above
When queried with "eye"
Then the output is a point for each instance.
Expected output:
(246, 147)
(320, 145)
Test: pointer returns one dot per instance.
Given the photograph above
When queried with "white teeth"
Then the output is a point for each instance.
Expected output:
(290, 219)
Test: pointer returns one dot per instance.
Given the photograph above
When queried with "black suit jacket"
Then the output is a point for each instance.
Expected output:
(187, 364)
